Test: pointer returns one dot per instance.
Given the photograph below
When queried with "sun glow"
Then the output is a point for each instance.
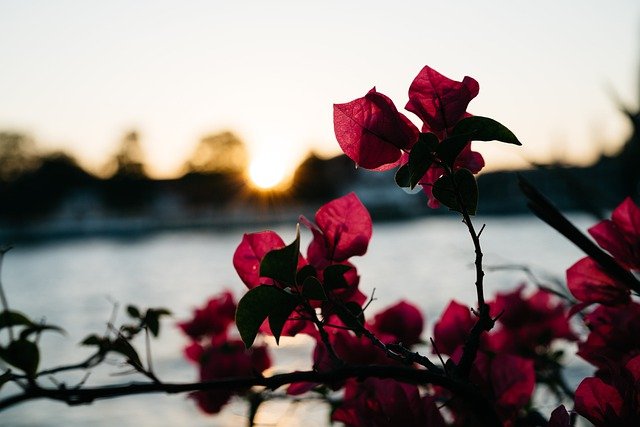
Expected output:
(267, 172)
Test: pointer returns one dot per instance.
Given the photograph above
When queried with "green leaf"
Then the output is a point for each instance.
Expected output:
(282, 264)
(13, 318)
(24, 334)
(24, 355)
(421, 157)
(122, 346)
(351, 315)
(280, 314)
(103, 343)
(445, 191)
(304, 273)
(333, 276)
(403, 176)
(258, 304)
(312, 289)
(153, 323)
(449, 149)
(92, 339)
(477, 128)
(133, 311)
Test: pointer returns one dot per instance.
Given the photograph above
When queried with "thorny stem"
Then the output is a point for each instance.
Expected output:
(324, 336)
(484, 322)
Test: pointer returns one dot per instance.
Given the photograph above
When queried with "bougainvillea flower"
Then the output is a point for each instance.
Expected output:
(384, 402)
(508, 379)
(372, 132)
(342, 229)
(439, 101)
(249, 254)
(453, 328)
(403, 321)
(230, 359)
(528, 325)
(213, 319)
(599, 402)
(620, 236)
(589, 283)
(609, 340)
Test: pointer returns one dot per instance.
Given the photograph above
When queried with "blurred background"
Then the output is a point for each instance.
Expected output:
(166, 113)
(138, 141)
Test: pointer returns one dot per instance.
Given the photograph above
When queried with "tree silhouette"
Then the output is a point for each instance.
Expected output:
(17, 155)
(128, 161)
(218, 153)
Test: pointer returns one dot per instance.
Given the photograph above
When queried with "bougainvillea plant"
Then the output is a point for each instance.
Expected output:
(482, 365)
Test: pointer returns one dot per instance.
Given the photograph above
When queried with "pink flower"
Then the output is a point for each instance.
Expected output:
(439, 101)
(589, 283)
(227, 360)
(620, 236)
(249, 254)
(453, 328)
(343, 229)
(385, 402)
(612, 398)
(213, 319)
(372, 132)
(528, 325)
(402, 321)
(609, 341)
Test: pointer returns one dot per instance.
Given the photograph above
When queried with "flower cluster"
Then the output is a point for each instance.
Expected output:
(324, 279)
(375, 135)
(612, 396)
(513, 356)
(216, 353)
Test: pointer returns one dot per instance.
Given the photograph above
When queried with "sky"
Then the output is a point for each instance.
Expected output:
(79, 75)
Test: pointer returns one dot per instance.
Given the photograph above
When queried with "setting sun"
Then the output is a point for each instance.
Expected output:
(266, 172)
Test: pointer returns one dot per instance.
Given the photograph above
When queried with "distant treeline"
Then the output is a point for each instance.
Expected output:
(34, 184)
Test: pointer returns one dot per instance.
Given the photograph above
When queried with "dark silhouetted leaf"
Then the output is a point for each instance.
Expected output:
(258, 304)
(122, 346)
(24, 355)
(444, 191)
(282, 264)
(133, 311)
(26, 332)
(477, 128)
(352, 315)
(334, 276)
(13, 318)
(280, 314)
(304, 273)
(403, 176)
(450, 148)
(92, 339)
(312, 289)
(421, 157)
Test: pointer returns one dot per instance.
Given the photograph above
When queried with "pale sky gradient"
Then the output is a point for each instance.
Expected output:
(78, 74)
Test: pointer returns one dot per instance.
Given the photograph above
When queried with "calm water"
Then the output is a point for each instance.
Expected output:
(75, 283)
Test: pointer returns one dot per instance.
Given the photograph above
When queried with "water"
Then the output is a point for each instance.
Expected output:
(74, 284)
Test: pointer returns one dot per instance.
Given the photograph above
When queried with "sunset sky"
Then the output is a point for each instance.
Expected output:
(77, 75)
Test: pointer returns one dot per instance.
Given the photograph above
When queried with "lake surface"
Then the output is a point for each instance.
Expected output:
(75, 283)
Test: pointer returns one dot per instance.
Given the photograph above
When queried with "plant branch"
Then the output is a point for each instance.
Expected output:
(467, 392)
(484, 322)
